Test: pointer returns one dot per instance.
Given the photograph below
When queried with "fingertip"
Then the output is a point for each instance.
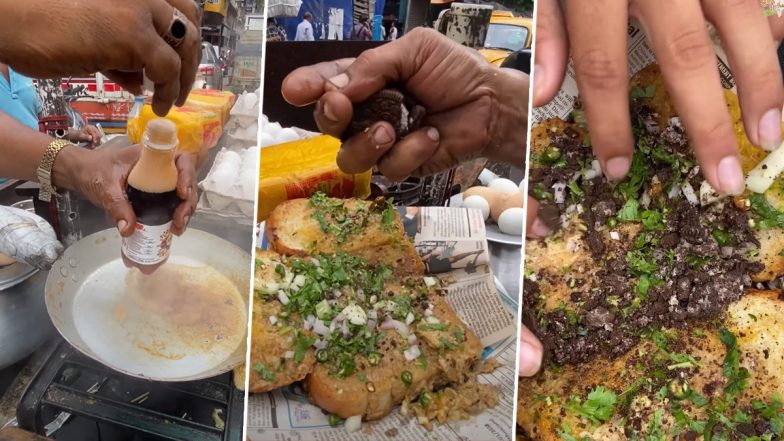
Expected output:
(616, 168)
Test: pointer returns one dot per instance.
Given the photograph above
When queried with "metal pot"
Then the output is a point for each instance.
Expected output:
(24, 322)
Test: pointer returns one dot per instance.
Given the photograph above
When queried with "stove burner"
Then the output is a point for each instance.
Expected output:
(75, 398)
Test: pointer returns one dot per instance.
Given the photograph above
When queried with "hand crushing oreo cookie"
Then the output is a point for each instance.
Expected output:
(416, 106)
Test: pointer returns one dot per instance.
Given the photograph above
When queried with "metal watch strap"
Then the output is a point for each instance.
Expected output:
(44, 170)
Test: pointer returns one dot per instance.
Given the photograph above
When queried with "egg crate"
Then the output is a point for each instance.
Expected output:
(73, 398)
(230, 204)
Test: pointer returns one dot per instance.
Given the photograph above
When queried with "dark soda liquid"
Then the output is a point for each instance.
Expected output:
(151, 209)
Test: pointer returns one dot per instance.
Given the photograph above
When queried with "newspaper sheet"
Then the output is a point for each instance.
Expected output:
(640, 55)
(453, 245)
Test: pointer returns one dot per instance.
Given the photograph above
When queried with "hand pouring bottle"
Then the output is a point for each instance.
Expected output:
(152, 192)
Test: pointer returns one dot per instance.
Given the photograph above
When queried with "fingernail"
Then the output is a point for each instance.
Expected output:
(769, 130)
(328, 112)
(381, 136)
(187, 219)
(539, 229)
(538, 78)
(121, 224)
(339, 81)
(433, 134)
(616, 168)
(730, 176)
(530, 359)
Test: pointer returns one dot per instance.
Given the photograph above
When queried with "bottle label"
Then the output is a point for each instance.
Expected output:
(149, 244)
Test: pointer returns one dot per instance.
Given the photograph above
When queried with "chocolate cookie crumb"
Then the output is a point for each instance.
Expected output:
(392, 105)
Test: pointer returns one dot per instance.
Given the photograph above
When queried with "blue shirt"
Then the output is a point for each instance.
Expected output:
(18, 99)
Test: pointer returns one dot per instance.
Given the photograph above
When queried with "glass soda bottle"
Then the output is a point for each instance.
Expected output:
(152, 192)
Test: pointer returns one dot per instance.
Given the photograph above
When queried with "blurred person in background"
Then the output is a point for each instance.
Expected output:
(18, 98)
(361, 31)
(305, 28)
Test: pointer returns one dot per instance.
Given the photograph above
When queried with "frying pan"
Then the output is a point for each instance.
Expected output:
(90, 304)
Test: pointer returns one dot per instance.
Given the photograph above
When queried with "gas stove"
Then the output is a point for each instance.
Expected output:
(75, 398)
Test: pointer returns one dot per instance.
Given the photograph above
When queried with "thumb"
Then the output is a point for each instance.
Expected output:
(531, 353)
(118, 207)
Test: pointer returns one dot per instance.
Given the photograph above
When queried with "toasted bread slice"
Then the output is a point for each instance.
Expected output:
(372, 230)
(547, 412)
(590, 278)
(272, 349)
(374, 390)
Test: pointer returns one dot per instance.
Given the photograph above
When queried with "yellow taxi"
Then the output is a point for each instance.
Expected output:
(507, 33)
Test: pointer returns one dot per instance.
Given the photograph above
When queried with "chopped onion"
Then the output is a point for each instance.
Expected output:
(315, 261)
(765, 173)
(674, 191)
(337, 293)
(412, 339)
(398, 326)
(727, 251)
(344, 329)
(410, 318)
(361, 294)
(284, 299)
(707, 194)
(412, 353)
(273, 319)
(307, 325)
(645, 200)
(428, 312)
(430, 281)
(288, 354)
(689, 193)
(590, 174)
(320, 328)
(373, 299)
(320, 344)
(372, 314)
(614, 235)
(371, 324)
(559, 192)
(433, 319)
(340, 317)
(575, 177)
(298, 281)
(353, 423)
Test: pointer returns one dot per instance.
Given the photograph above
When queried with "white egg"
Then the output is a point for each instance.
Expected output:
(287, 135)
(266, 140)
(230, 159)
(271, 128)
(511, 221)
(504, 185)
(479, 203)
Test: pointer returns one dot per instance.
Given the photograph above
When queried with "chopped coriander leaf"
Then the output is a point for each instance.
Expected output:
(781, 253)
(629, 210)
(772, 412)
(388, 216)
(645, 283)
(682, 361)
(598, 407)
(280, 270)
(737, 376)
(266, 374)
(301, 345)
(640, 263)
(764, 214)
(655, 431)
(652, 220)
(723, 238)
(433, 327)
(639, 92)
(638, 175)
(698, 262)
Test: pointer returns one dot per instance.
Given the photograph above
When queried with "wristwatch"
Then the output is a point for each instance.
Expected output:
(44, 170)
